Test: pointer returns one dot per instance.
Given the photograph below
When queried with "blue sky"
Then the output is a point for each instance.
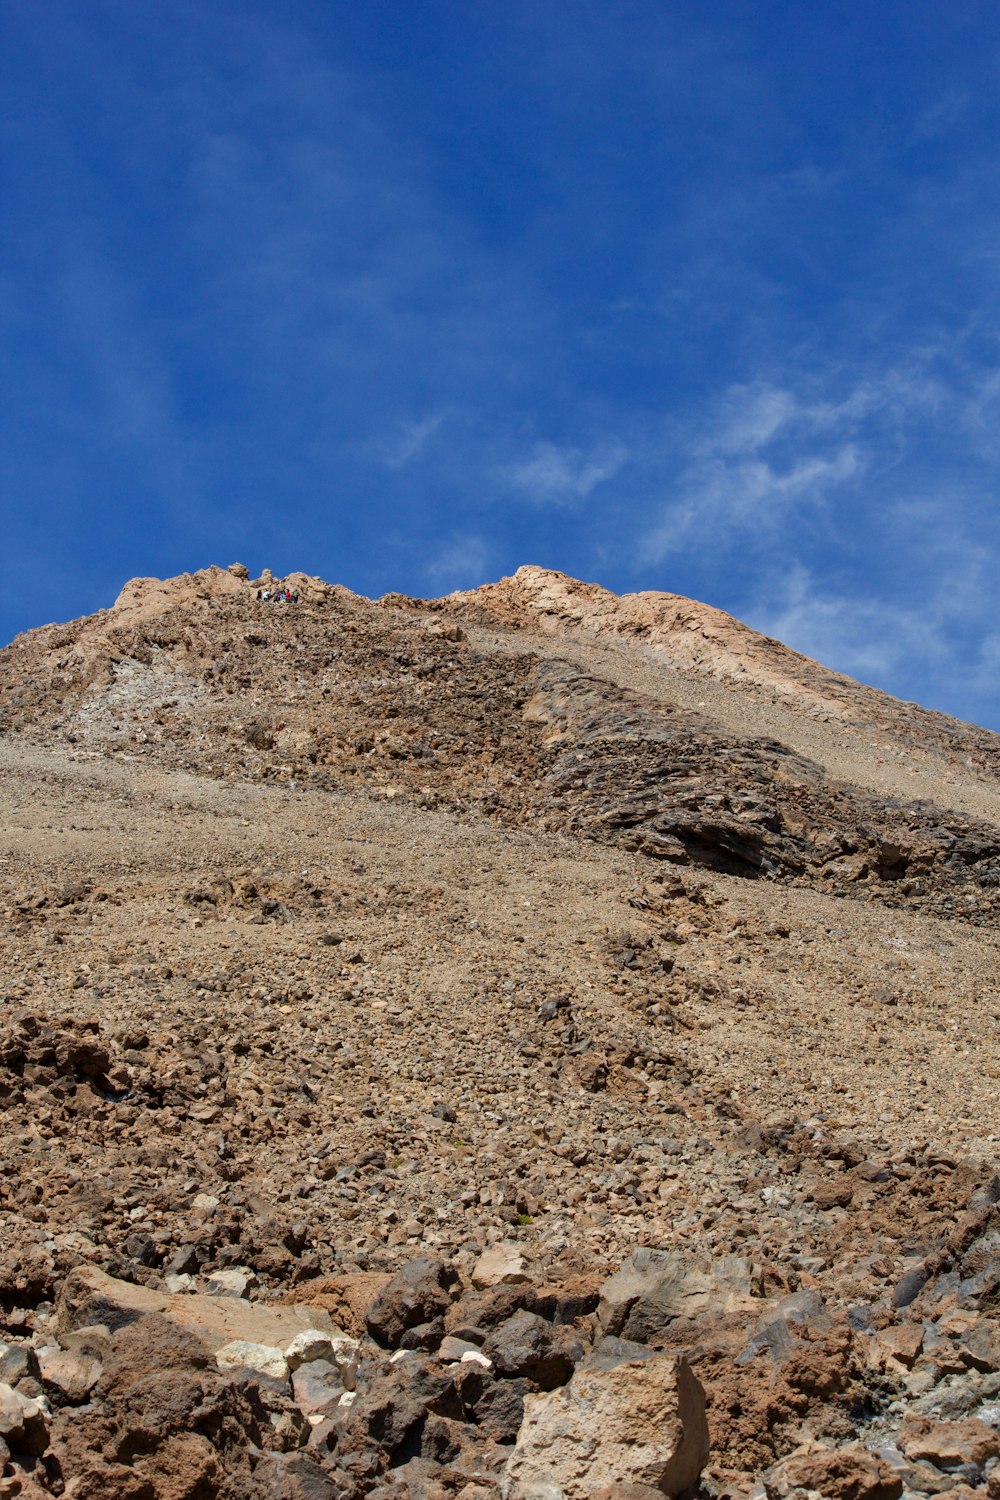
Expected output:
(700, 298)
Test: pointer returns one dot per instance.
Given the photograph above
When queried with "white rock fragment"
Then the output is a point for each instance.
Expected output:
(346, 1353)
(264, 1358)
(311, 1344)
(180, 1283)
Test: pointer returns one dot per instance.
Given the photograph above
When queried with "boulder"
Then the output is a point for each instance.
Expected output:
(346, 1297)
(17, 1361)
(235, 1281)
(949, 1444)
(385, 1423)
(782, 1326)
(74, 1373)
(627, 1417)
(499, 1410)
(243, 1354)
(415, 1297)
(162, 1423)
(836, 1474)
(653, 1287)
(489, 1308)
(317, 1387)
(89, 1296)
(528, 1346)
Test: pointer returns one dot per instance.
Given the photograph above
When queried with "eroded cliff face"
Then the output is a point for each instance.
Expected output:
(456, 1047)
(197, 672)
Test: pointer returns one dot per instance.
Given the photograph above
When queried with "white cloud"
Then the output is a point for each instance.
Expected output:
(463, 562)
(412, 440)
(866, 638)
(560, 475)
(765, 454)
(750, 417)
(724, 499)
(937, 648)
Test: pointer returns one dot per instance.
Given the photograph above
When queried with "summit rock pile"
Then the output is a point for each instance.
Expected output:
(521, 1045)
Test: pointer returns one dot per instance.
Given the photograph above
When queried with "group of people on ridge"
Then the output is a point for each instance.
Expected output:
(277, 596)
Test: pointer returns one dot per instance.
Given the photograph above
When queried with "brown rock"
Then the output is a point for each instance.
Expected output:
(948, 1444)
(346, 1298)
(162, 1424)
(900, 1344)
(840, 1474)
(627, 1492)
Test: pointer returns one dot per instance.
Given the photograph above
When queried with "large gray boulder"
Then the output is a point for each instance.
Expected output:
(528, 1346)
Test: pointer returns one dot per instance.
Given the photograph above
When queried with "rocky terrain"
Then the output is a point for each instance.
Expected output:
(526, 1044)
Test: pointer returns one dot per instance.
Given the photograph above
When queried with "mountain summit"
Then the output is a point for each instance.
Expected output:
(529, 1042)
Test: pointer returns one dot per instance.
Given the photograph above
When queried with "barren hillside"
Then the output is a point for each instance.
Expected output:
(620, 983)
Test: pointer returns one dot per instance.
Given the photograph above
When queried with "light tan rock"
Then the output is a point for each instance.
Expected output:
(899, 1346)
(618, 1421)
(500, 1265)
(89, 1296)
(144, 598)
(74, 1372)
(693, 637)
(652, 1287)
(335, 1348)
(22, 1422)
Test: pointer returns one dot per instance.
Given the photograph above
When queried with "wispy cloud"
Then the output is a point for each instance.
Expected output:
(934, 645)
(866, 638)
(411, 441)
(762, 456)
(767, 455)
(561, 475)
(463, 562)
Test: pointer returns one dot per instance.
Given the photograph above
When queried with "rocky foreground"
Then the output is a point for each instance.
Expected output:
(441, 1057)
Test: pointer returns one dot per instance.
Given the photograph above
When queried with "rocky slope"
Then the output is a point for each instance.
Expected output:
(427, 1025)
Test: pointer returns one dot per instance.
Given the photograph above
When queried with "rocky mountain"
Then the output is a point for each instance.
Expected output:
(531, 1043)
